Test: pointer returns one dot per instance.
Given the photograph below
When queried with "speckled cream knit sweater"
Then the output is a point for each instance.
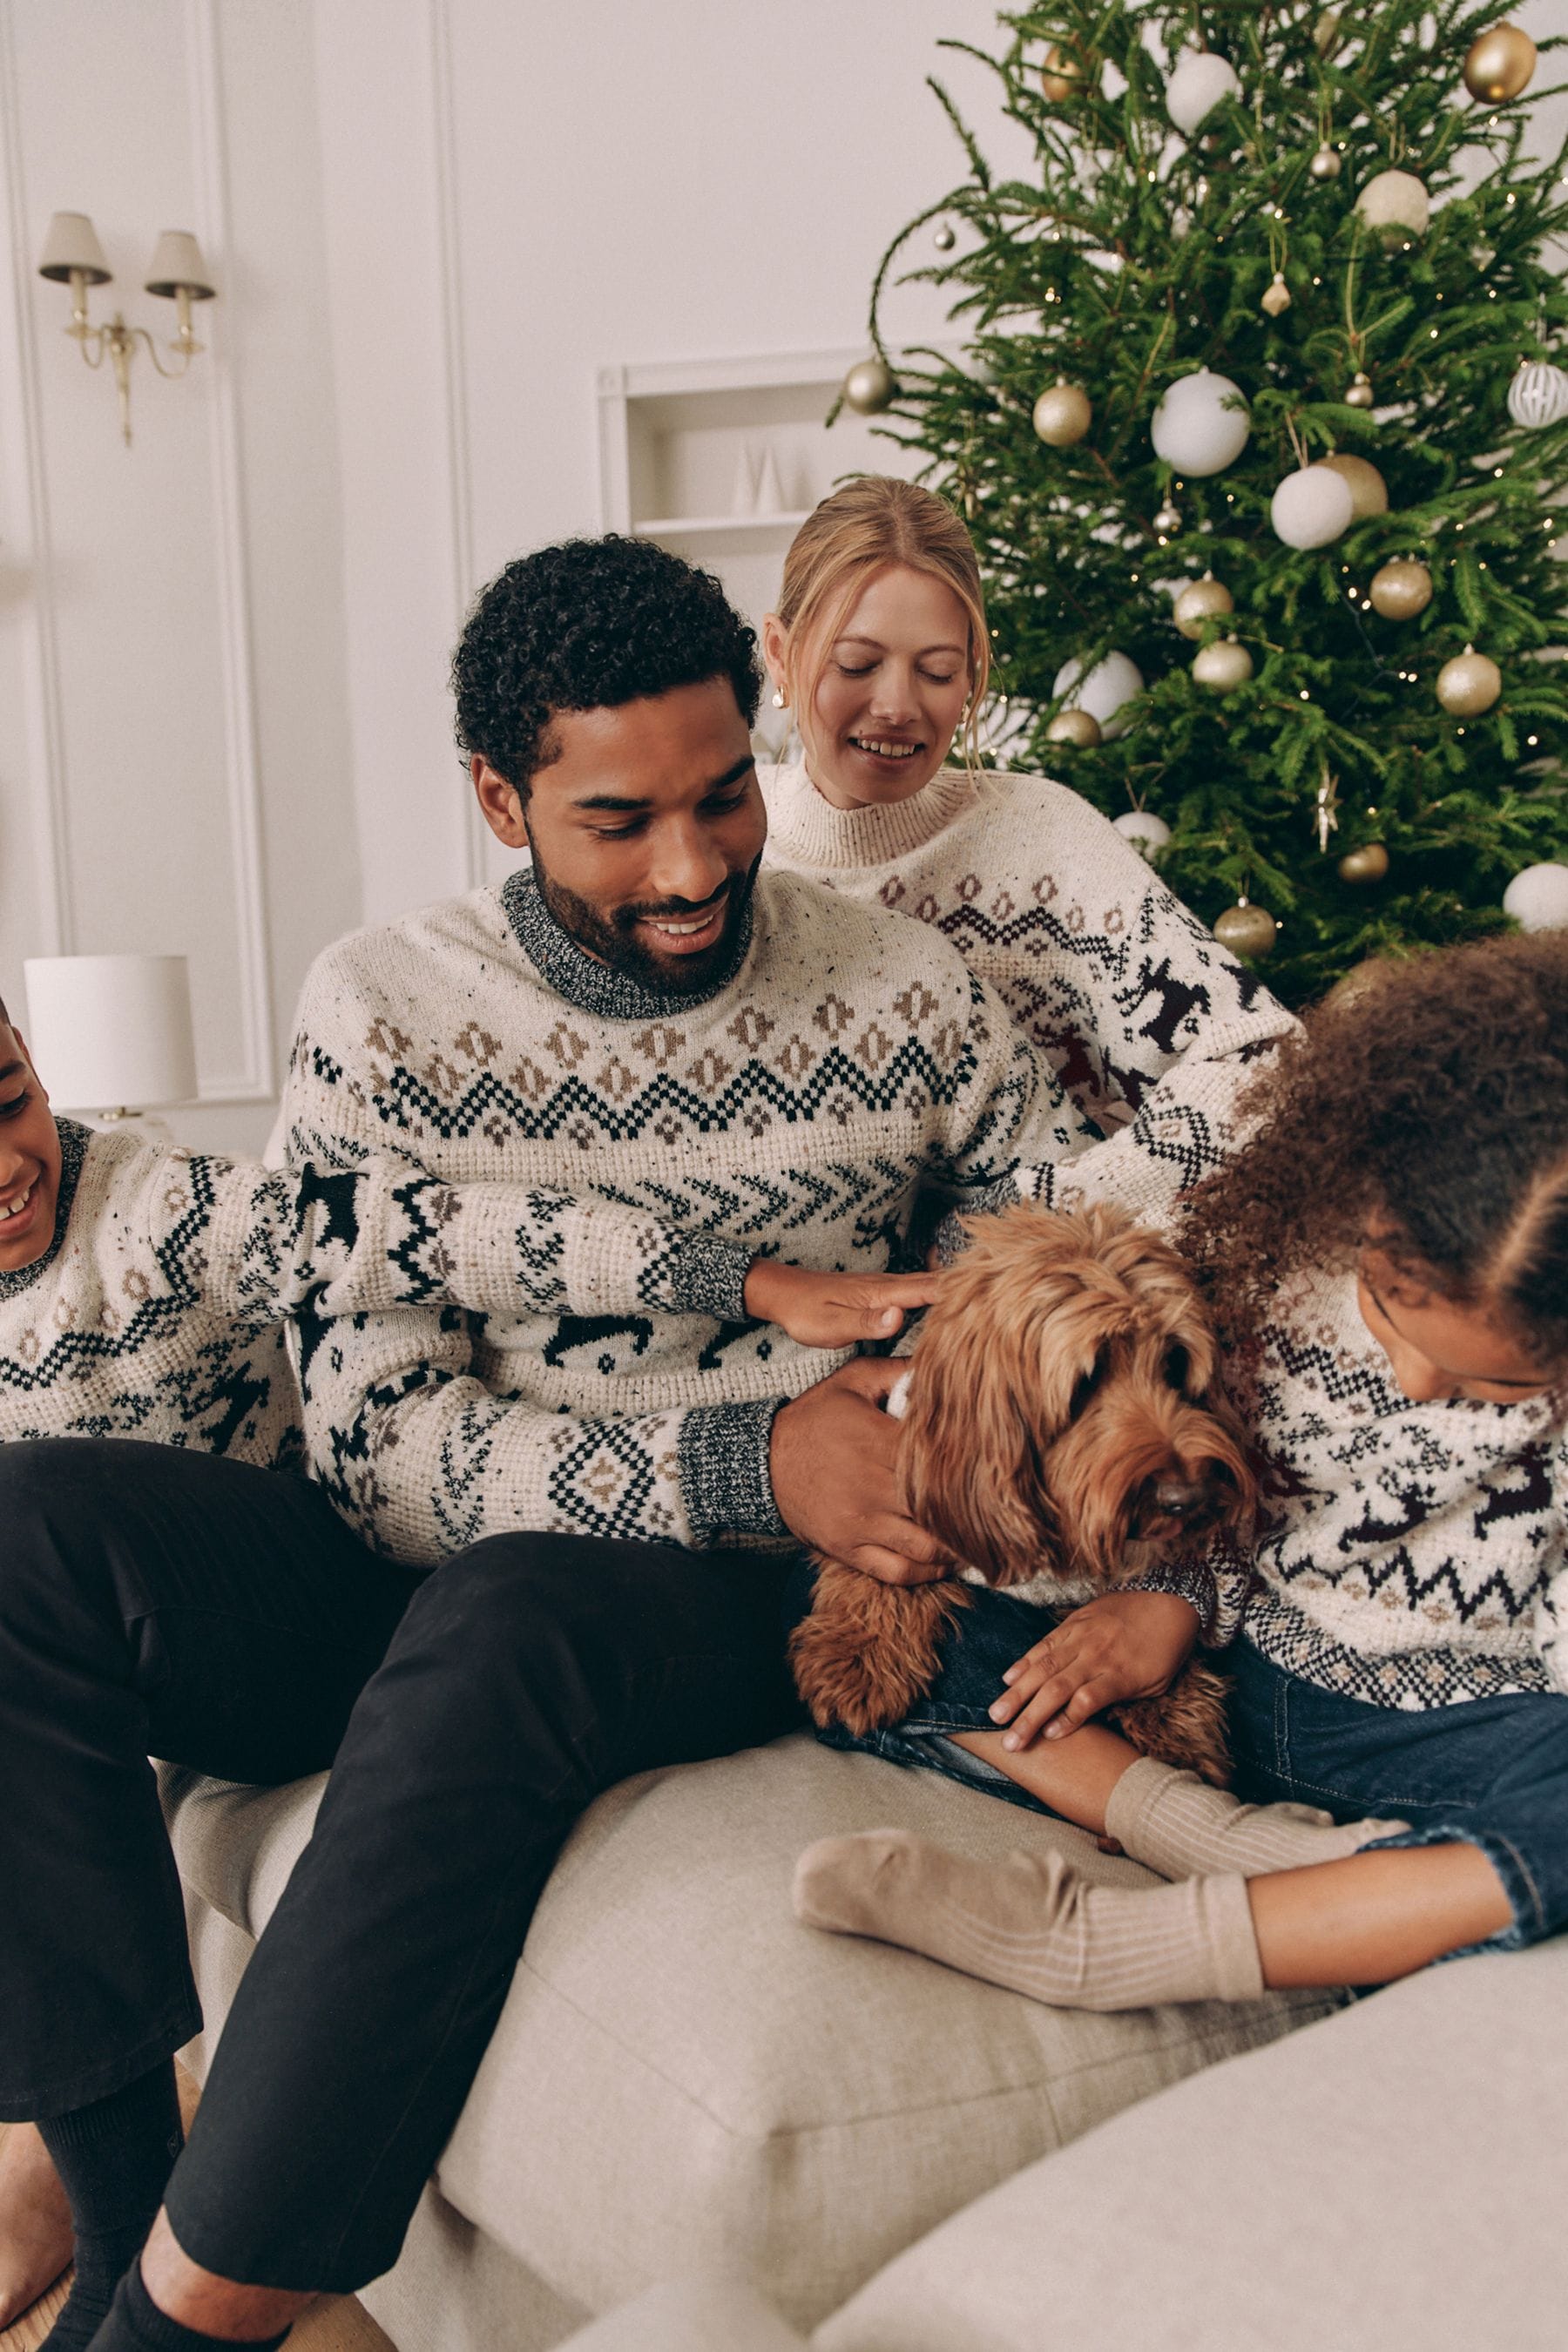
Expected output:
(158, 1310)
(1411, 1555)
(845, 1058)
(1147, 1022)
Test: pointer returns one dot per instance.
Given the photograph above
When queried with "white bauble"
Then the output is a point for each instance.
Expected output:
(1109, 684)
(1538, 395)
(1396, 203)
(1537, 899)
(1312, 507)
(1143, 829)
(1200, 83)
(1193, 429)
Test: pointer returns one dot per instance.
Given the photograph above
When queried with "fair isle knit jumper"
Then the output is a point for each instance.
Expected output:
(158, 1310)
(844, 1057)
(1149, 1024)
(1411, 1555)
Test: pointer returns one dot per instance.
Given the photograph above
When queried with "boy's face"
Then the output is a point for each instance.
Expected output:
(29, 1159)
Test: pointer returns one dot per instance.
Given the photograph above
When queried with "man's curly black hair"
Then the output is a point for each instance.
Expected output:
(589, 626)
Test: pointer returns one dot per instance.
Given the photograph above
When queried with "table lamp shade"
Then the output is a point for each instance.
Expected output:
(112, 1031)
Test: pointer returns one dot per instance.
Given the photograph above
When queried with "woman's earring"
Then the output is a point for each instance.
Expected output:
(778, 703)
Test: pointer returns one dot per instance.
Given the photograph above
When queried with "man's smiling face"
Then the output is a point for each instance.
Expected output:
(29, 1158)
(646, 829)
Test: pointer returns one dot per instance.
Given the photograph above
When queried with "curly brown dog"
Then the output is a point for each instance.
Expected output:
(1064, 1427)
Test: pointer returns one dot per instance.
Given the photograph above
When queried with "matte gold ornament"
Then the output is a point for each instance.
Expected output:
(1369, 491)
(1077, 726)
(1246, 930)
(871, 386)
(1203, 600)
(1061, 75)
(1358, 391)
(1469, 684)
(1167, 522)
(1277, 296)
(1326, 33)
(1222, 667)
(1401, 588)
(945, 239)
(1327, 164)
(1499, 66)
(1062, 415)
(1368, 864)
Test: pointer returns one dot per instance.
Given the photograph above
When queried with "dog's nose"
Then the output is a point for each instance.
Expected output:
(1175, 1498)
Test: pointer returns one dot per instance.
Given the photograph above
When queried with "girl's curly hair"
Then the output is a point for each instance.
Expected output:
(1427, 1109)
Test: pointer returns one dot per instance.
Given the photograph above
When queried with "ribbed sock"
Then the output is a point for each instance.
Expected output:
(114, 2159)
(1175, 1824)
(136, 2324)
(1034, 1925)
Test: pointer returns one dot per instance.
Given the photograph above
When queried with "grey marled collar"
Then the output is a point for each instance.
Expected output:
(582, 978)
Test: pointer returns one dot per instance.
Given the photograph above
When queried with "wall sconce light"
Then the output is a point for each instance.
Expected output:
(72, 254)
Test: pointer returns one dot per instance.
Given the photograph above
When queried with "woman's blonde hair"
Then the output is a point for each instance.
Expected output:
(871, 522)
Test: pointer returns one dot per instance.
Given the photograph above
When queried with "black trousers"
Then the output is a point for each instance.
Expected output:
(156, 1602)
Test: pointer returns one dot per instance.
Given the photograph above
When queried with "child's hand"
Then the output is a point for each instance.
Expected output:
(834, 1310)
(1121, 1645)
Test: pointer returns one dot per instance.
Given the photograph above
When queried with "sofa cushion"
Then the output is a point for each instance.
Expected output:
(685, 2079)
(1390, 2180)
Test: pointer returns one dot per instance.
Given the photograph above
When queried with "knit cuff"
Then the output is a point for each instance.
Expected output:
(708, 1276)
(1190, 1581)
(725, 1480)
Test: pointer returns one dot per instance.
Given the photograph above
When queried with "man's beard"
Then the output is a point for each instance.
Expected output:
(615, 941)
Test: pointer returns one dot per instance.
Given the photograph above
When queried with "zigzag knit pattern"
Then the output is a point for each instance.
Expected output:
(841, 1061)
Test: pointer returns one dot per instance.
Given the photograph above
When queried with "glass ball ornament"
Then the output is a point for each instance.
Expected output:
(1061, 75)
(1499, 66)
(1394, 204)
(1401, 588)
(1114, 680)
(1202, 600)
(1537, 897)
(1199, 82)
(869, 387)
(1166, 522)
(1223, 666)
(1201, 424)
(1538, 395)
(1276, 297)
(1369, 491)
(1246, 930)
(1469, 684)
(1327, 162)
(945, 238)
(1079, 727)
(1062, 415)
(1143, 829)
(1312, 507)
(1358, 391)
(1367, 864)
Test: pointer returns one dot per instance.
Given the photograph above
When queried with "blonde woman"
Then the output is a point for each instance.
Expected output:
(880, 650)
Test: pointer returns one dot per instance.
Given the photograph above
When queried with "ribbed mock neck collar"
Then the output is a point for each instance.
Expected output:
(817, 833)
(74, 1140)
(582, 978)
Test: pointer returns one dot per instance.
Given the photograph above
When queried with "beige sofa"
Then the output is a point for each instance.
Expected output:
(684, 2079)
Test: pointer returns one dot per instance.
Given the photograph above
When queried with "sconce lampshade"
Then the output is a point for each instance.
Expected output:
(72, 244)
(178, 262)
(112, 1031)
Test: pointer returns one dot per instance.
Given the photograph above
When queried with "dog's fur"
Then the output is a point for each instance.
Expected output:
(1064, 1393)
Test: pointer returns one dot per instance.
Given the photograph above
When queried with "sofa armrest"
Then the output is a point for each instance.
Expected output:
(700, 2314)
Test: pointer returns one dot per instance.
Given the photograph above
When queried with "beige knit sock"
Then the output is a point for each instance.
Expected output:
(1175, 1824)
(1034, 1923)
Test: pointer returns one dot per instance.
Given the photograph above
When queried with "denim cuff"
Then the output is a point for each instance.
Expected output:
(1528, 1920)
(725, 1480)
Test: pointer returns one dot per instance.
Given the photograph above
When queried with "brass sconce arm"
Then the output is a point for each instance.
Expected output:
(72, 253)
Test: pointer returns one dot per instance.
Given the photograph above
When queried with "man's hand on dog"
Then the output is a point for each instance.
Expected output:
(834, 1310)
(832, 1461)
(1121, 1645)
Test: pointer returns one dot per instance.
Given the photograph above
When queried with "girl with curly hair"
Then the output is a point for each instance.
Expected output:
(1387, 1259)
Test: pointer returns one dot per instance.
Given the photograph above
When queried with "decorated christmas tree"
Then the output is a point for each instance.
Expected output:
(1259, 432)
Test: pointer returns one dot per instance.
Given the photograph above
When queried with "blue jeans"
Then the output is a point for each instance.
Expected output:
(1491, 1771)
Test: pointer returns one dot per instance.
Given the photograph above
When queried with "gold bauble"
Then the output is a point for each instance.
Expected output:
(1368, 864)
(1277, 297)
(1061, 75)
(1499, 66)
(1369, 491)
(1401, 589)
(1062, 415)
(1469, 684)
(1327, 164)
(1222, 667)
(1358, 394)
(871, 386)
(1080, 727)
(1203, 600)
(1360, 981)
(1246, 930)
(1326, 32)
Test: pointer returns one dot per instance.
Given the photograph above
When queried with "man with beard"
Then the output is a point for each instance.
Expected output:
(608, 1505)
